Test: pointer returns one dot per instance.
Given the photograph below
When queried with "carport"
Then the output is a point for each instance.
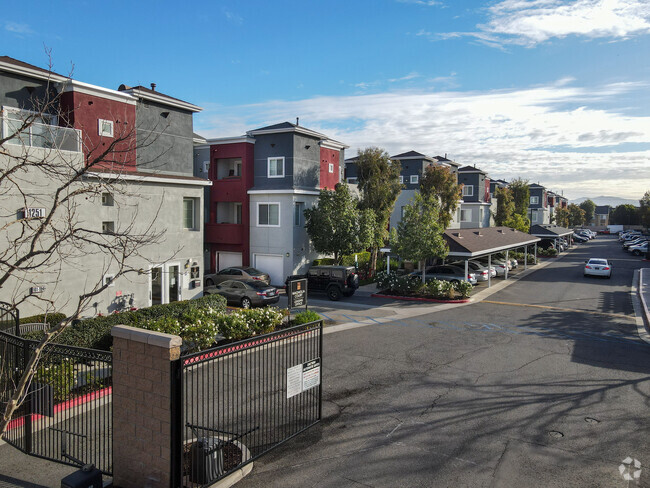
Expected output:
(467, 244)
(555, 232)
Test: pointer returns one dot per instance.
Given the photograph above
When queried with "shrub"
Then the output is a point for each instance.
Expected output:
(448, 289)
(51, 319)
(547, 252)
(323, 261)
(401, 284)
(61, 376)
(305, 317)
(464, 288)
(246, 323)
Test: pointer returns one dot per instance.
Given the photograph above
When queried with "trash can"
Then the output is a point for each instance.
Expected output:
(207, 460)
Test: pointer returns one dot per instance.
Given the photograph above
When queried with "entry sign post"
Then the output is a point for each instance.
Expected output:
(298, 293)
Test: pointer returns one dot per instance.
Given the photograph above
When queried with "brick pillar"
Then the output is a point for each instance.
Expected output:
(142, 406)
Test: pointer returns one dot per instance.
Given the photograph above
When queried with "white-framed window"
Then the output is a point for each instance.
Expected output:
(352, 181)
(236, 213)
(107, 200)
(206, 167)
(109, 280)
(298, 216)
(268, 214)
(466, 215)
(414, 179)
(401, 179)
(190, 207)
(468, 190)
(534, 200)
(331, 168)
(105, 128)
(108, 227)
(275, 167)
(533, 217)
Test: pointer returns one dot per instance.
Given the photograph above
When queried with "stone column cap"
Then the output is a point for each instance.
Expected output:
(159, 339)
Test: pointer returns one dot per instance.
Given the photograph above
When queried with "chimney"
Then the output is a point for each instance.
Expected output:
(153, 87)
(297, 120)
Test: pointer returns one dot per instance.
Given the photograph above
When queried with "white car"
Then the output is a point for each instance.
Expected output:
(598, 267)
(639, 249)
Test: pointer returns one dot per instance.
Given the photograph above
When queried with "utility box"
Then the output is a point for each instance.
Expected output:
(207, 460)
(86, 477)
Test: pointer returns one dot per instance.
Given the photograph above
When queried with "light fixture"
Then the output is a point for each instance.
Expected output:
(287, 254)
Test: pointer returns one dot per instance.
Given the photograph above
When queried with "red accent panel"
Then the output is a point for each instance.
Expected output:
(225, 234)
(486, 197)
(329, 180)
(83, 111)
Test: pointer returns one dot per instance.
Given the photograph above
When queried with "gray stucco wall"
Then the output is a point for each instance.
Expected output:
(15, 91)
(411, 167)
(473, 180)
(273, 146)
(202, 155)
(137, 204)
(171, 151)
(306, 162)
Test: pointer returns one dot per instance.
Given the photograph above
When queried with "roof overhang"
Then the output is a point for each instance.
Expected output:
(98, 91)
(32, 73)
(154, 97)
(140, 178)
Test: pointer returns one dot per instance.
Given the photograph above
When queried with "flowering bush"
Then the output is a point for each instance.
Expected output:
(464, 288)
(549, 253)
(403, 284)
(246, 323)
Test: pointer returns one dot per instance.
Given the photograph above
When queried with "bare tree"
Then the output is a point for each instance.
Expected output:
(46, 227)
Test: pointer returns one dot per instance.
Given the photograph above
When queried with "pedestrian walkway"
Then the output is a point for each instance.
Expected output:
(644, 293)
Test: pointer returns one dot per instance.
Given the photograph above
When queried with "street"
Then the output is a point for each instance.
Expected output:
(544, 383)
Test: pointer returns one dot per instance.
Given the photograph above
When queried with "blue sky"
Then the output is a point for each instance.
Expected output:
(556, 91)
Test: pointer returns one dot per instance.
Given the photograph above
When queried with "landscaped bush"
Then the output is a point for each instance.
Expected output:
(51, 319)
(463, 288)
(323, 261)
(305, 317)
(547, 253)
(519, 256)
(246, 323)
(406, 285)
(399, 284)
(61, 376)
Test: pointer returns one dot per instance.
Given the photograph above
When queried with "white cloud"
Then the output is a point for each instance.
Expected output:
(428, 3)
(18, 28)
(529, 23)
(555, 134)
(410, 76)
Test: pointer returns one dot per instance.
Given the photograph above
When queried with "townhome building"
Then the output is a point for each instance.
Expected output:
(262, 183)
(477, 206)
(601, 216)
(538, 207)
(142, 184)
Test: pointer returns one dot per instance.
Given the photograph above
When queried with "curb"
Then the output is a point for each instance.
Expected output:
(419, 299)
(644, 303)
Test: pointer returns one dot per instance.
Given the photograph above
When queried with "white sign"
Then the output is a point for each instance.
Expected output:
(33, 213)
(303, 377)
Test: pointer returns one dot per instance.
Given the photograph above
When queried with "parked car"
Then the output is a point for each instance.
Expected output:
(480, 271)
(598, 267)
(639, 249)
(580, 238)
(242, 273)
(246, 294)
(335, 281)
(633, 242)
(446, 272)
(499, 265)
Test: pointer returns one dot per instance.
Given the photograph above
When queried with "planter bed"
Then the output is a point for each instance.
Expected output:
(388, 294)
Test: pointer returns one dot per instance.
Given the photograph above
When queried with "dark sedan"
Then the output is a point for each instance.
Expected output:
(246, 294)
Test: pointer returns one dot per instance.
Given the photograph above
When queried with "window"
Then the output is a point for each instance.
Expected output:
(107, 200)
(189, 213)
(352, 181)
(109, 280)
(534, 200)
(108, 227)
(105, 128)
(206, 167)
(276, 167)
(533, 217)
(468, 190)
(298, 209)
(331, 167)
(466, 215)
(236, 217)
(401, 179)
(268, 215)
(414, 179)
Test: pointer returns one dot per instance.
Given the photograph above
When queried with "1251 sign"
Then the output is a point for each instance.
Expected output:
(33, 213)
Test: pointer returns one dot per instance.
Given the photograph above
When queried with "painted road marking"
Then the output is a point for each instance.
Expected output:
(547, 307)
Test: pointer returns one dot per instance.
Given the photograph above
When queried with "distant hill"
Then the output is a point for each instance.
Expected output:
(613, 201)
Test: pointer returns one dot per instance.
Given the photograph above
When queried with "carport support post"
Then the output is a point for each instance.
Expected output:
(489, 270)
(506, 275)
(466, 270)
(525, 258)
(535, 253)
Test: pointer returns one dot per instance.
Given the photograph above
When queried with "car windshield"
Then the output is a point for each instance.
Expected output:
(598, 261)
(253, 271)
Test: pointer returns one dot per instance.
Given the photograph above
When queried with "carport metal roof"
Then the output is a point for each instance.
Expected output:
(549, 231)
(473, 243)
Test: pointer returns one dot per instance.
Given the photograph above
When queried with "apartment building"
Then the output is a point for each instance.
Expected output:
(135, 145)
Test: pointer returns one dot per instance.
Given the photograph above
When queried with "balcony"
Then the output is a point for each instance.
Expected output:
(40, 135)
(224, 234)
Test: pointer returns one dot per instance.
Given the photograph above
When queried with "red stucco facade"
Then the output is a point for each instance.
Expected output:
(329, 156)
(83, 111)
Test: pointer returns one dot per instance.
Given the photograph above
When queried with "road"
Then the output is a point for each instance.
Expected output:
(545, 383)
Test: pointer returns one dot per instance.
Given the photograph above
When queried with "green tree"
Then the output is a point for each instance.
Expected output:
(644, 210)
(576, 215)
(589, 207)
(561, 217)
(441, 183)
(378, 180)
(505, 206)
(625, 215)
(419, 233)
(518, 222)
(336, 225)
(520, 195)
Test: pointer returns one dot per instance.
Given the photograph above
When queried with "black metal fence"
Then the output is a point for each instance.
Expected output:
(236, 402)
(66, 415)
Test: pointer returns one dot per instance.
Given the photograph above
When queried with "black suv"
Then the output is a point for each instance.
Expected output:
(336, 281)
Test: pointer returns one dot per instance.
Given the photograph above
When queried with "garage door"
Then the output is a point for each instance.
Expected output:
(228, 259)
(273, 265)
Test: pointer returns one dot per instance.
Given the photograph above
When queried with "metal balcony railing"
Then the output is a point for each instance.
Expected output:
(40, 135)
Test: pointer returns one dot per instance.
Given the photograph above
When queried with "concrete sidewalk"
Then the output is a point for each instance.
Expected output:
(644, 294)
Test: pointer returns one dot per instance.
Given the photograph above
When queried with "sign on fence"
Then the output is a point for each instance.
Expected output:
(303, 377)
(298, 293)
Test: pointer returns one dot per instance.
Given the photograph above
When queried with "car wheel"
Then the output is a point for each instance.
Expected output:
(636, 253)
(209, 282)
(333, 293)
(246, 302)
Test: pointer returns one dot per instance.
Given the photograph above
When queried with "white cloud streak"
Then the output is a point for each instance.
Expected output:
(18, 28)
(555, 134)
(530, 22)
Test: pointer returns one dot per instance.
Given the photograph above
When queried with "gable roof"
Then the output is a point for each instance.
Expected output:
(549, 231)
(445, 160)
(487, 240)
(410, 154)
(470, 169)
(12, 65)
(158, 97)
(602, 209)
(289, 127)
